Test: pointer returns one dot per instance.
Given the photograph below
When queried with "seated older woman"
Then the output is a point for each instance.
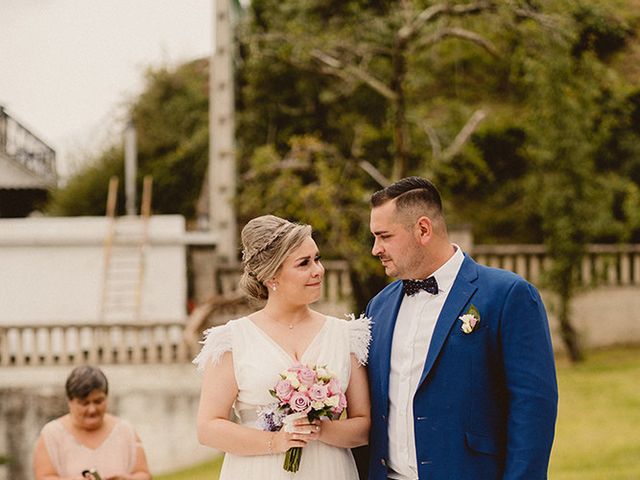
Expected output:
(88, 438)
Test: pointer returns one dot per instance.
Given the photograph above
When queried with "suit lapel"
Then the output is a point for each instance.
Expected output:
(461, 291)
(387, 318)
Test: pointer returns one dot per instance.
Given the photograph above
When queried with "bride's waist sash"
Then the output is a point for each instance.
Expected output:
(247, 413)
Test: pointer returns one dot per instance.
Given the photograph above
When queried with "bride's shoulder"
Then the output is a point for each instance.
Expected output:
(217, 341)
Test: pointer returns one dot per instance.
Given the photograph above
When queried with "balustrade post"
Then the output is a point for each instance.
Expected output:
(332, 287)
(625, 268)
(534, 268)
(508, 263)
(94, 341)
(521, 266)
(107, 344)
(5, 357)
(612, 269)
(3, 130)
(586, 270)
(20, 356)
(64, 347)
(136, 357)
(48, 344)
(167, 345)
(636, 268)
(345, 283)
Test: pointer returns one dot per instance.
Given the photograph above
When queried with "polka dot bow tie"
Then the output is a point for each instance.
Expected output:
(411, 287)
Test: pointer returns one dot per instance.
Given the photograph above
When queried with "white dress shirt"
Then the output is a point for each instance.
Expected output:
(411, 338)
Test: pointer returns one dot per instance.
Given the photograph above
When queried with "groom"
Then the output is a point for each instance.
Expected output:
(461, 368)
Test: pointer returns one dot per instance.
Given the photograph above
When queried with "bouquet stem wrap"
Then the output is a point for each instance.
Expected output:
(292, 459)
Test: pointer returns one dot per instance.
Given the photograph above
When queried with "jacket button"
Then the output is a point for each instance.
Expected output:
(383, 462)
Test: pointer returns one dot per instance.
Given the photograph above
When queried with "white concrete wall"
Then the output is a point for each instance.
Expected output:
(51, 270)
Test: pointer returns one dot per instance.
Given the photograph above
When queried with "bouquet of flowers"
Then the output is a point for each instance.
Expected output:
(303, 390)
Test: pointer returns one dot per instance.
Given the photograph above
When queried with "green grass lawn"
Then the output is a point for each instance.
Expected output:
(204, 471)
(598, 431)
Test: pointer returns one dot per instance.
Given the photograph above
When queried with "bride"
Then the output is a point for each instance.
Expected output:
(242, 361)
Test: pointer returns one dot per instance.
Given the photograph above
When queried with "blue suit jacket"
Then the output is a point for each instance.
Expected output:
(486, 404)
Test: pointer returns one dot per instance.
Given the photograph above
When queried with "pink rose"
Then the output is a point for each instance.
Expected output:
(317, 393)
(307, 376)
(334, 386)
(284, 390)
(300, 402)
(341, 404)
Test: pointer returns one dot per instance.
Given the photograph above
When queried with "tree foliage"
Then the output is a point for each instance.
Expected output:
(171, 119)
(525, 113)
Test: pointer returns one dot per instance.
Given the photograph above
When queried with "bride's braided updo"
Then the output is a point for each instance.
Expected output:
(266, 242)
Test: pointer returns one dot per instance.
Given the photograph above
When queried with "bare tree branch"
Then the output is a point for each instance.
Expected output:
(546, 21)
(463, 34)
(428, 14)
(374, 173)
(463, 136)
(436, 148)
(335, 66)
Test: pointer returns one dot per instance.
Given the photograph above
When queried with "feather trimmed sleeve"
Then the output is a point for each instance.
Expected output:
(217, 341)
(359, 337)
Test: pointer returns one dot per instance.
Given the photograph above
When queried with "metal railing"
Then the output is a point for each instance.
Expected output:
(17, 142)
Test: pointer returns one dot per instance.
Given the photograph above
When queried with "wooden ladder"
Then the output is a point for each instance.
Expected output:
(125, 247)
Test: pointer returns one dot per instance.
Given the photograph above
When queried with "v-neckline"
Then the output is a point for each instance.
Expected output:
(271, 340)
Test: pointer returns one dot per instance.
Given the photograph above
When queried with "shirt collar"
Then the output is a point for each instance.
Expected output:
(447, 273)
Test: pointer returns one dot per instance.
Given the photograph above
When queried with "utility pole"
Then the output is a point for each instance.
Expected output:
(130, 166)
(222, 159)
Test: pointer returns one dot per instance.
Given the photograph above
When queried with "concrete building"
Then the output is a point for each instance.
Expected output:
(27, 168)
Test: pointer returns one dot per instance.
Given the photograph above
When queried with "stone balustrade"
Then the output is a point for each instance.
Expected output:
(58, 344)
(336, 286)
(610, 266)
(603, 265)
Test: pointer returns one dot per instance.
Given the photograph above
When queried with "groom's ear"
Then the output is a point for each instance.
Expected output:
(424, 229)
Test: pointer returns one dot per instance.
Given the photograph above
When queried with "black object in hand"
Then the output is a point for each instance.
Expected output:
(91, 474)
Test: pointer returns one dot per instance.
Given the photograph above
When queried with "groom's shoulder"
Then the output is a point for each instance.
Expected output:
(391, 289)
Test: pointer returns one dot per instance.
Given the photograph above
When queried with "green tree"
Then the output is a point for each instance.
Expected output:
(568, 121)
(171, 118)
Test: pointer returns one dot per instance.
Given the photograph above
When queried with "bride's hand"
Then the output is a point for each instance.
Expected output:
(282, 441)
(312, 430)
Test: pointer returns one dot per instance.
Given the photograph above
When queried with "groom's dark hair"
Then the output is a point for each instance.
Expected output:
(410, 192)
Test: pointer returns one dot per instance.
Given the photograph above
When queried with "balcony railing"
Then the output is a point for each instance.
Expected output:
(17, 142)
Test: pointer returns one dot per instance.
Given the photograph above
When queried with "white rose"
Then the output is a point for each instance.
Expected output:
(332, 401)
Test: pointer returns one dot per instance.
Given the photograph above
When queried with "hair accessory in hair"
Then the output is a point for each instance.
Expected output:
(281, 231)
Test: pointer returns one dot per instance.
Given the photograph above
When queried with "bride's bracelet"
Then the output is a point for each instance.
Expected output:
(270, 442)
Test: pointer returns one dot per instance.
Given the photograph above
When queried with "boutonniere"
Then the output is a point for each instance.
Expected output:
(470, 320)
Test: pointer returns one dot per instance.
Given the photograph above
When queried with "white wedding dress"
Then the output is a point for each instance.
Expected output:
(257, 362)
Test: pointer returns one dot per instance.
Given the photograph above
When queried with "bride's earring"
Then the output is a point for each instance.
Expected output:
(273, 287)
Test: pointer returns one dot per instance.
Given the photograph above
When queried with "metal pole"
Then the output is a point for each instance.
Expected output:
(130, 167)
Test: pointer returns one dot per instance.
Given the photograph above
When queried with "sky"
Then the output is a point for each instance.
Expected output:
(68, 67)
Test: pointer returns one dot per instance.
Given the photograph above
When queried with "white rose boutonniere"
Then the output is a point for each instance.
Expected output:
(470, 320)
